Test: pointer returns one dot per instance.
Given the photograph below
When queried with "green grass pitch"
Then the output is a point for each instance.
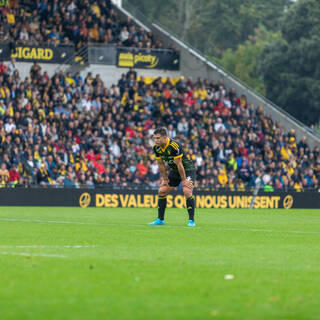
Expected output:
(97, 263)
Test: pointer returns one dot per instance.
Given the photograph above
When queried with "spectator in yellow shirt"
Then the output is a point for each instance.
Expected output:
(286, 153)
(11, 18)
(96, 9)
(69, 79)
(222, 178)
(94, 33)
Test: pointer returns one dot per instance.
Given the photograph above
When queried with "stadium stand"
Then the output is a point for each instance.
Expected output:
(73, 132)
(79, 22)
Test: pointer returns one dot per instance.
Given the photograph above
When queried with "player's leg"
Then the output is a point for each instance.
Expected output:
(162, 199)
(188, 193)
(165, 188)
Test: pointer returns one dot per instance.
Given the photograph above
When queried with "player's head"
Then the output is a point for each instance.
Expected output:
(160, 136)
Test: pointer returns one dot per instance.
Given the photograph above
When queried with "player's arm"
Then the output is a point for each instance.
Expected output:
(177, 157)
(162, 169)
(178, 162)
(182, 172)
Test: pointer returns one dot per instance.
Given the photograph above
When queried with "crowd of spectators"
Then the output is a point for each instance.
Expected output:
(71, 131)
(71, 21)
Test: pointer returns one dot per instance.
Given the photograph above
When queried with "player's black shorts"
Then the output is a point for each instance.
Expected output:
(175, 179)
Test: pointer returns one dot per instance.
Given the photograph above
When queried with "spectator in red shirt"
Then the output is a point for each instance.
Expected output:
(90, 155)
(130, 130)
(141, 169)
(3, 68)
(99, 165)
(14, 174)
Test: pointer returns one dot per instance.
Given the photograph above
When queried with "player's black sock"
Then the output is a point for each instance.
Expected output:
(190, 207)
(162, 204)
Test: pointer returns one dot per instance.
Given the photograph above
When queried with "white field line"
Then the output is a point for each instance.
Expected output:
(157, 227)
(47, 221)
(267, 230)
(44, 246)
(26, 254)
(88, 223)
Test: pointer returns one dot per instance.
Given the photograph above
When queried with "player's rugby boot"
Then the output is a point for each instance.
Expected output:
(191, 223)
(157, 222)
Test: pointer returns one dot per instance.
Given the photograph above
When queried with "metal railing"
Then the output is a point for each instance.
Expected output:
(79, 58)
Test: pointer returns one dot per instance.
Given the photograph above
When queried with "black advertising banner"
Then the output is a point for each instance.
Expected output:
(4, 51)
(109, 198)
(148, 59)
(44, 54)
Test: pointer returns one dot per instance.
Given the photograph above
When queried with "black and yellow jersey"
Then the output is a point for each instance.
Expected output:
(173, 150)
